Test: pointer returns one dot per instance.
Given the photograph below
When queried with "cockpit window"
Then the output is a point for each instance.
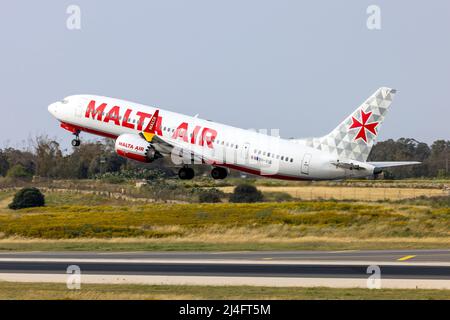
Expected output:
(64, 101)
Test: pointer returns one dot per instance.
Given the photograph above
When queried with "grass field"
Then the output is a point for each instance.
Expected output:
(172, 189)
(309, 192)
(95, 222)
(30, 291)
(215, 243)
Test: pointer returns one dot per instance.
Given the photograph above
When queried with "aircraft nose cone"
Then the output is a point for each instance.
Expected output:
(52, 108)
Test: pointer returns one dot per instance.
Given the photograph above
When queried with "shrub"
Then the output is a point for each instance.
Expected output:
(27, 198)
(244, 193)
(212, 195)
(112, 177)
(118, 177)
(19, 172)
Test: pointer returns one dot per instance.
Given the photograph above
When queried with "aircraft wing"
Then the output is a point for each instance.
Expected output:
(389, 164)
(347, 165)
(165, 145)
(161, 145)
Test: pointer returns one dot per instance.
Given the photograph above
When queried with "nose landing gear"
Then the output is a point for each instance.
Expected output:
(76, 142)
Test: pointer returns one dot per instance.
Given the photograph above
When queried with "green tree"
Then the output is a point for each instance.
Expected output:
(439, 160)
(19, 172)
(48, 157)
(26, 159)
(404, 149)
(4, 164)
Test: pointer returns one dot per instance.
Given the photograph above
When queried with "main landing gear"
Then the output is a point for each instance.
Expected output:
(76, 142)
(186, 173)
(219, 173)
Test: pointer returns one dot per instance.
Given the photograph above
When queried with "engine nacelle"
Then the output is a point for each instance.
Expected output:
(134, 147)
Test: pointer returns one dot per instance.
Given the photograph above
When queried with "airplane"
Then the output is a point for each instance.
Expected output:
(145, 133)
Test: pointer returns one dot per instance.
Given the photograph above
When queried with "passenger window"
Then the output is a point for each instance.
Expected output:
(282, 157)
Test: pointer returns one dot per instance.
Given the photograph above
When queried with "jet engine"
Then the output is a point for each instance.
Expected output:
(134, 147)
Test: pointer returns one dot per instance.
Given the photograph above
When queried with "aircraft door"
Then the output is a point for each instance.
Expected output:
(305, 163)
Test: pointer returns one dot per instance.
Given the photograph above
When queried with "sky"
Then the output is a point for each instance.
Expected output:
(298, 66)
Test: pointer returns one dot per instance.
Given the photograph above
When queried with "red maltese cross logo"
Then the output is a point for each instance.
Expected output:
(363, 125)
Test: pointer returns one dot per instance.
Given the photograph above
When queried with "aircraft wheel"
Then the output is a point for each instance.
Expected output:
(186, 173)
(219, 173)
(76, 142)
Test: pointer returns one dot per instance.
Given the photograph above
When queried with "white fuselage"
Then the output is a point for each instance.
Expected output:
(226, 146)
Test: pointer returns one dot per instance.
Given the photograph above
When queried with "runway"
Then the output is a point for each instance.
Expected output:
(399, 268)
(441, 256)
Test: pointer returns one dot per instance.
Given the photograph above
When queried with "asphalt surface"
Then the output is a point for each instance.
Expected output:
(350, 255)
(394, 264)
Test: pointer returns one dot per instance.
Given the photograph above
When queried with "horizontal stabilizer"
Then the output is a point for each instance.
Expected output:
(389, 164)
(347, 165)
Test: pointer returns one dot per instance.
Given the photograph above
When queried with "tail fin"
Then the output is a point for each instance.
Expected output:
(355, 136)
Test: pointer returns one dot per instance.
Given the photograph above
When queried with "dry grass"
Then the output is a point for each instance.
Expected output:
(95, 222)
(404, 183)
(38, 291)
(272, 220)
(213, 242)
(309, 192)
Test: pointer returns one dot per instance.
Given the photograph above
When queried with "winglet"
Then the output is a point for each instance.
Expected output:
(152, 123)
(151, 128)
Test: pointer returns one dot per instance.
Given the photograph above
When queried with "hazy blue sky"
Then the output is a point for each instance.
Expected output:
(298, 66)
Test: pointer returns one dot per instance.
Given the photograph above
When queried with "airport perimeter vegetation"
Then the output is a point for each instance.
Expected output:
(87, 215)
(39, 291)
(98, 216)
